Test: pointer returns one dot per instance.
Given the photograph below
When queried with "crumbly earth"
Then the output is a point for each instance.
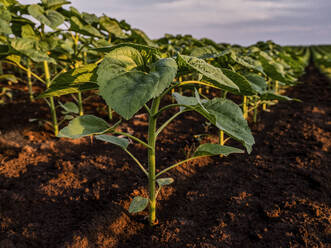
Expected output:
(75, 193)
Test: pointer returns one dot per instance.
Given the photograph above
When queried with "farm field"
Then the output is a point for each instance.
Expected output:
(111, 139)
(73, 193)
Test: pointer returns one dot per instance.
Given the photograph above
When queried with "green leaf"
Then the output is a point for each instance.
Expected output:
(140, 37)
(203, 52)
(121, 142)
(273, 69)
(5, 14)
(117, 62)
(30, 48)
(138, 204)
(70, 107)
(215, 149)
(148, 53)
(112, 27)
(247, 62)
(127, 93)
(165, 70)
(228, 116)
(28, 32)
(8, 77)
(164, 181)
(270, 95)
(84, 126)
(73, 81)
(50, 17)
(210, 72)
(90, 18)
(224, 114)
(5, 27)
(185, 100)
(85, 29)
(245, 87)
(258, 83)
(54, 3)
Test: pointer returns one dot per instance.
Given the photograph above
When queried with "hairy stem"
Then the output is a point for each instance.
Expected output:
(151, 160)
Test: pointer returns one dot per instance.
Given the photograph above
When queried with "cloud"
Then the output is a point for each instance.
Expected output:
(239, 21)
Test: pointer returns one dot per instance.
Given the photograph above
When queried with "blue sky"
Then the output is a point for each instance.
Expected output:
(235, 21)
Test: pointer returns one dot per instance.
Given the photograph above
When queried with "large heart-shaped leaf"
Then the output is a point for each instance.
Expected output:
(117, 62)
(85, 125)
(124, 87)
(165, 70)
(127, 93)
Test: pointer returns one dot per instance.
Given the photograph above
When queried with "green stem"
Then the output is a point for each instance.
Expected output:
(110, 113)
(245, 107)
(177, 164)
(168, 121)
(51, 99)
(134, 138)
(221, 137)
(137, 161)
(30, 81)
(255, 114)
(151, 160)
(80, 104)
(26, 69)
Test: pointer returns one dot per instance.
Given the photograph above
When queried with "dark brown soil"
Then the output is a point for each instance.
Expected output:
(75, 193)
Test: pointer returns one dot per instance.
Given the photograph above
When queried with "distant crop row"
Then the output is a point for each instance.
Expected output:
(81, 54)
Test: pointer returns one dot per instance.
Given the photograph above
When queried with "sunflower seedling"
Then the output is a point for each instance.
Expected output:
(134, 77)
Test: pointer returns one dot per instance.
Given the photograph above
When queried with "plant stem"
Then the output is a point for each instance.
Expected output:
(245, 107)
(110, 113)
(134, 138)
(276, 87)
(30, 81)
(137, 161)
(51, 99)
(221, 138)
(168, 121)
(177, 164)
(151, 160)
(80, 104)
(255, 113)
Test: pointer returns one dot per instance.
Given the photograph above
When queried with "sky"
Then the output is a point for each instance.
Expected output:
(287, 22)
